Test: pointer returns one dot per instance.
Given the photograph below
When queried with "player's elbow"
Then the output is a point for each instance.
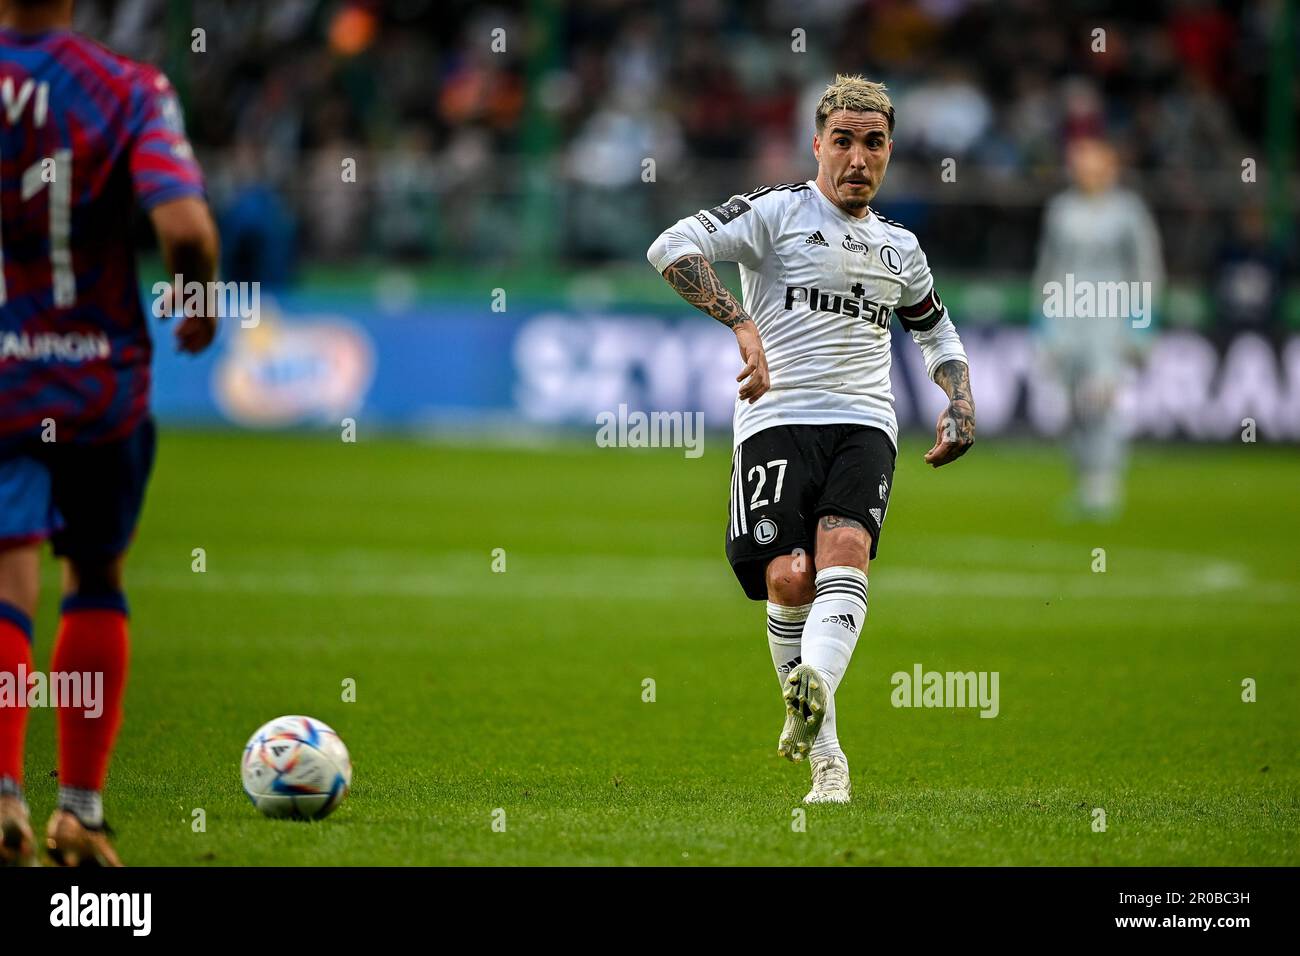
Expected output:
(668, 248)
(658, 252)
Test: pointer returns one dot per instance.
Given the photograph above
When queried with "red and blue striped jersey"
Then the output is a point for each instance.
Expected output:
(85, 135)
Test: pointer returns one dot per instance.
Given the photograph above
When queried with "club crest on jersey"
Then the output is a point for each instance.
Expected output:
(852, 245)
(892, 260)
(765, 531)
(851, 303)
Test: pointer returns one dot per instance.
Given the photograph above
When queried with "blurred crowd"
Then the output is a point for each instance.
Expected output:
(489, 132)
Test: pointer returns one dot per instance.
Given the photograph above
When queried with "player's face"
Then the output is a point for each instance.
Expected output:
(1094, 166)
(852, 152)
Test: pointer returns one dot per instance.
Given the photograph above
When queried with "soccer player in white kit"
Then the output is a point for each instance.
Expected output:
(814, 430)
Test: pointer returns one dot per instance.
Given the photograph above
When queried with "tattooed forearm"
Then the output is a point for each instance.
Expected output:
(831, 522)
(954, 378)
(697, 283)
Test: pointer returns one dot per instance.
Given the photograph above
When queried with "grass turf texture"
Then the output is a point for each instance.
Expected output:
(523, 690)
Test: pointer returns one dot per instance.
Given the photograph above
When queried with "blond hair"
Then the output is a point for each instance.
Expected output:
(856, 93)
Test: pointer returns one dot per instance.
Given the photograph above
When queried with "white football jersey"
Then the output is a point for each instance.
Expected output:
(821, 286)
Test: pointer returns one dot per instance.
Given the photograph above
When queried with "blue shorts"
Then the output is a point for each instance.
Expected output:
(85, 498)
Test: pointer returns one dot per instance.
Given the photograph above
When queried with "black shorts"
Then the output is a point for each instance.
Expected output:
(784, 478)
(85, 498)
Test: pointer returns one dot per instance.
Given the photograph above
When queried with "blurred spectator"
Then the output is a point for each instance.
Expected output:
(406, 206)
(1248, 277)
(946, 115)
(257, 228)
(337, 178)
(609, 207)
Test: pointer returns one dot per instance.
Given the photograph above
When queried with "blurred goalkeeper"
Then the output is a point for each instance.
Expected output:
(1099, 275)
(814, 431)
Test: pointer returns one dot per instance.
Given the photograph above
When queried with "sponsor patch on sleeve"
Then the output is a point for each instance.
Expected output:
(706, 222)
(730, 209)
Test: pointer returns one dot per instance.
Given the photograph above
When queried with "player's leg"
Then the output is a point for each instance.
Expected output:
(789, 598)
(92, 640)
(99, 490)
(19, 584)
(776, 476)
(851, 512)
(1070, 357)
(1100, 442)
(26, 519)
(834, 621)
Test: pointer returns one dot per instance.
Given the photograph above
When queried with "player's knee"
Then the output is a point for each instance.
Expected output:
(790, 582)
(96, 576)
(20, 577)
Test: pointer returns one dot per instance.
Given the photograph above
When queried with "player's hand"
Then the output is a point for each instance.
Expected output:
(754, 376)
(953, 434)
(195, 333)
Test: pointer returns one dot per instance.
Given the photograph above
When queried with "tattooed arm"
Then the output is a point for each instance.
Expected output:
(955, 431)
(695, 281)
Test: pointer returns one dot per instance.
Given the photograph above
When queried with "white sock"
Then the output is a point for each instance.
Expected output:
(828, 741)
(784, 632)
(829, 636)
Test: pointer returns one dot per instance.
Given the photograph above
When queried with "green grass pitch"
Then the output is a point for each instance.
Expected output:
(523, 690)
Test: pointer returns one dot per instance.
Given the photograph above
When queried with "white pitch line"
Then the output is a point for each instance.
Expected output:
(622, 577)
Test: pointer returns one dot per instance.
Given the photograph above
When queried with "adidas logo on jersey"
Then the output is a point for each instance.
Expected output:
(844, 620)
(875, 513)
(817, 239)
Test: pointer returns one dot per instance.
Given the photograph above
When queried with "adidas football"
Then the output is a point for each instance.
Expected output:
(296, 767)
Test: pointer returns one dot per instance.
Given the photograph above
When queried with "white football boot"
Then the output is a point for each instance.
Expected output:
(830, 780)
(805, 709)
